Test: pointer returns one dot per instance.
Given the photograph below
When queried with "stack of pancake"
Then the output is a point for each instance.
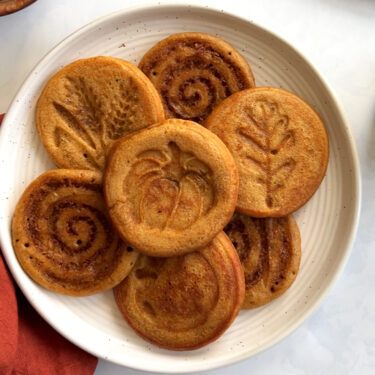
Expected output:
(176, 187)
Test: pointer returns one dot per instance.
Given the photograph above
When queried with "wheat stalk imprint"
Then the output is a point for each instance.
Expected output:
(268, 138)
(91, 123)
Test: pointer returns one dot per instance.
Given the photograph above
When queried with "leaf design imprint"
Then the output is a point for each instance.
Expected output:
(169, 188)
(268, 138)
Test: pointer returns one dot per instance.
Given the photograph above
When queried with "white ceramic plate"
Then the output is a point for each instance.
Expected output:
(327, 222)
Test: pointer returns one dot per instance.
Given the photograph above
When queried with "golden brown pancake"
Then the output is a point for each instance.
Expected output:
(63, 238)
(280, 146)
(89, 104)
(170, 188)
(194, 72)
(270, 253)
(184, 302)
(11, 6)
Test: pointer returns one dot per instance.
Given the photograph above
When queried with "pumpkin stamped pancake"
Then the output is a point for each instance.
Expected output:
(170, 188)
(280, 146)
(89, 104)
(63, 238)
(270, 254)
(194, 72)
(187, 301)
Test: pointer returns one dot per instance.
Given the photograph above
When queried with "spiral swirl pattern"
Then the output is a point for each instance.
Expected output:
(194, 72)
(270, 252)
(63, 237)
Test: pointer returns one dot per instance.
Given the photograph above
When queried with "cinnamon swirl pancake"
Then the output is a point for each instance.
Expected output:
(63, 238)
(170, 188)
(194, 72)
(280, 146)
(89, 104)
(184, 302)
(270, 253)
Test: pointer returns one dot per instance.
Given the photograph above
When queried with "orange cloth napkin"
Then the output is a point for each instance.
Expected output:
(28, 345)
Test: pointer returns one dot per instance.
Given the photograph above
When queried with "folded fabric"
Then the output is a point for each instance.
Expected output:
(28, 345)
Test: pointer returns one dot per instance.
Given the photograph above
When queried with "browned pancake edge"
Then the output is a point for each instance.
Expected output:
(184, 302)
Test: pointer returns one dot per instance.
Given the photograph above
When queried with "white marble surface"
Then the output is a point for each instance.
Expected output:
(338, 36)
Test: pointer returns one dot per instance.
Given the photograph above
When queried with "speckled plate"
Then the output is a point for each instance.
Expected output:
(328, 221)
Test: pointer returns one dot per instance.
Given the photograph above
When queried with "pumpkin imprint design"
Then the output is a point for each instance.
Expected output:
(265, 130)
(169, 188)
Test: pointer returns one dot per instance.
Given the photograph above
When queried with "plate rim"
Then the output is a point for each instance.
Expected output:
(357, 183)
